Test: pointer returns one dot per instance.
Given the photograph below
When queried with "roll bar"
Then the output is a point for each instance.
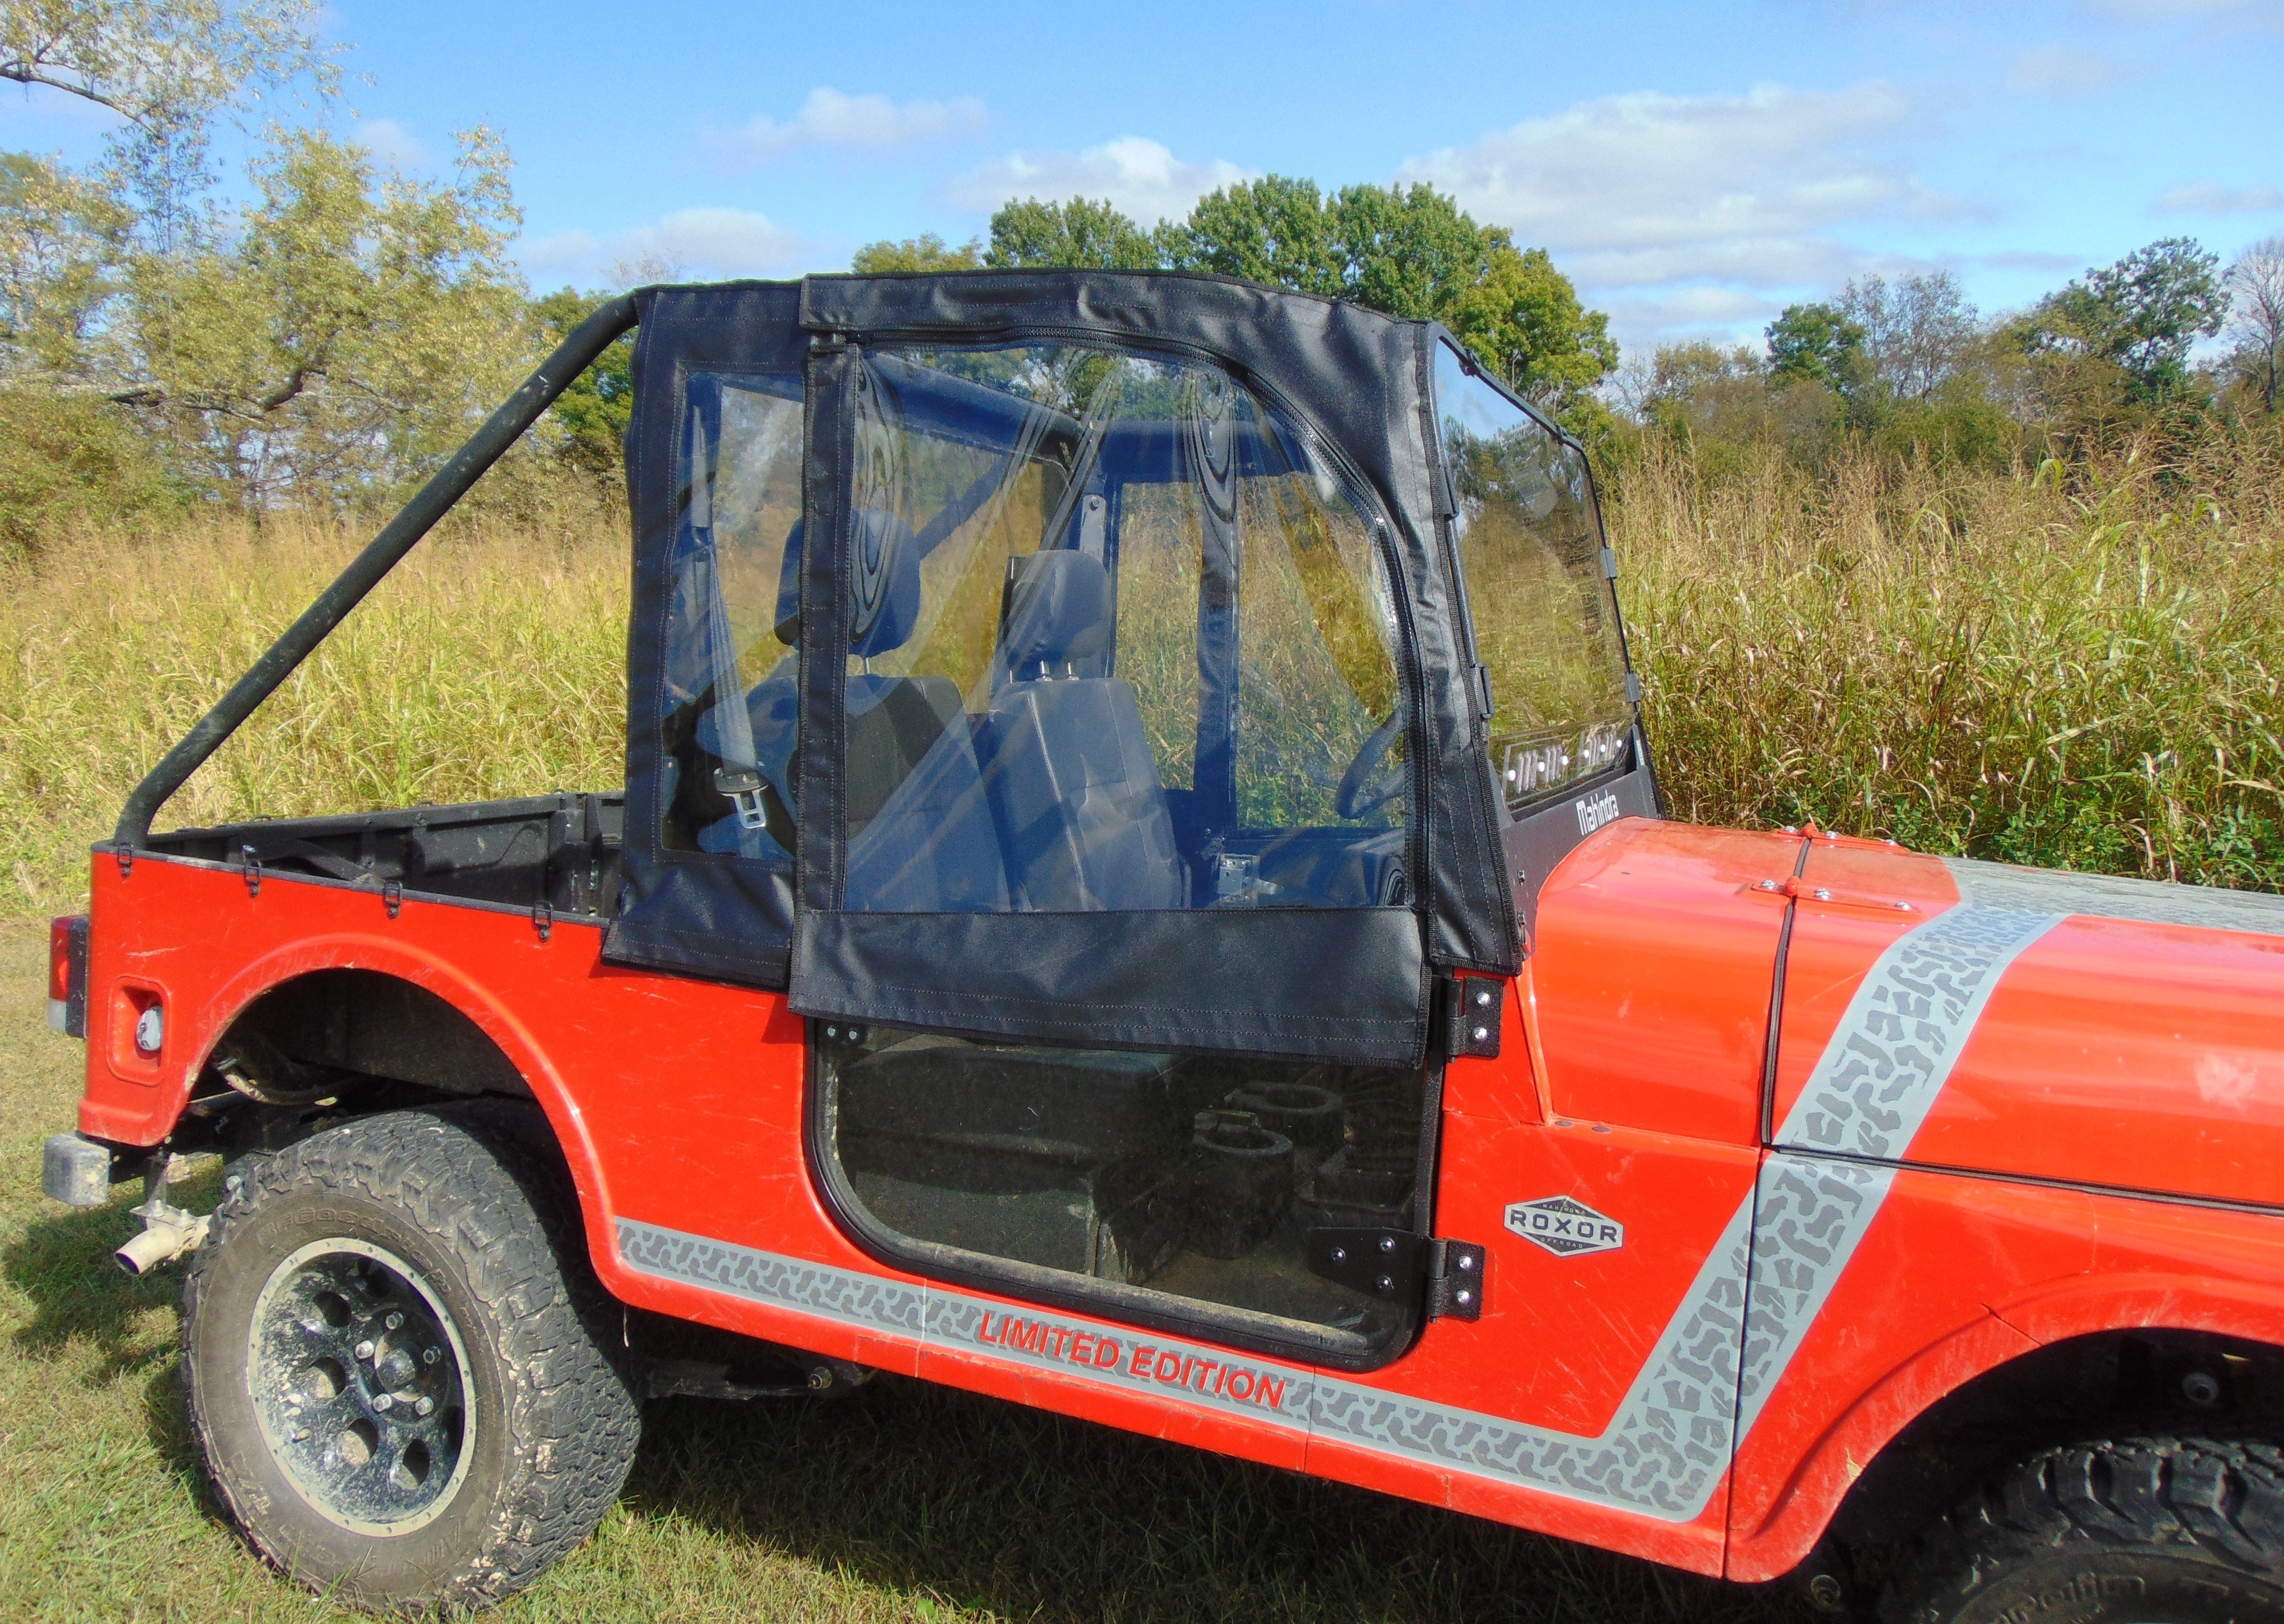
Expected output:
(417, 517)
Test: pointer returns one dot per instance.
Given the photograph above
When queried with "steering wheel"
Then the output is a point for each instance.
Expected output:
(1372, 781)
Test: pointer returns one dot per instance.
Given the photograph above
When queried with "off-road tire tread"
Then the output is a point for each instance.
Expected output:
(2219, 1498)
(469, 1177)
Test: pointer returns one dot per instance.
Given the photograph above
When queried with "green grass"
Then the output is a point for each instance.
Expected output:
(903, 1501)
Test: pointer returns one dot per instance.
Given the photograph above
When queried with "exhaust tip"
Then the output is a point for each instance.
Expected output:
(158, 1246)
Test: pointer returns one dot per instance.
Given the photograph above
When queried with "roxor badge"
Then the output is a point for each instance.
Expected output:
(1565, 1228)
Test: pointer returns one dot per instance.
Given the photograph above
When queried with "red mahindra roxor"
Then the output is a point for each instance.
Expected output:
(1139, 889)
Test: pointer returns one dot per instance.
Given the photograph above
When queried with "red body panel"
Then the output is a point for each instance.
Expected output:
(1655, 954)
(2113, 1052)
(2119, 1052)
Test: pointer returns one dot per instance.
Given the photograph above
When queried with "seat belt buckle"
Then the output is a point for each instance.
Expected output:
(743, 786)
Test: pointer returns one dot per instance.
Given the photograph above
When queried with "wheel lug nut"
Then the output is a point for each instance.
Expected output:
(426, 1407)
(384, 1402)
(364, 1350)
(432, 1355)
(393, 1322)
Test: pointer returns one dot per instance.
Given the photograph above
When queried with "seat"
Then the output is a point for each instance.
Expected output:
(921, 837)
(1083, 819)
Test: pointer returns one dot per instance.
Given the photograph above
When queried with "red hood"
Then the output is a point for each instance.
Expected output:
(2066, 1026)
(2070, 1028)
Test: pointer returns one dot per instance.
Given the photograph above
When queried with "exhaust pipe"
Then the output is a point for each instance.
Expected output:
(160, 1245)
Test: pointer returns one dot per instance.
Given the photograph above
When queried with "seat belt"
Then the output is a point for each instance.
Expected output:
(739, 775)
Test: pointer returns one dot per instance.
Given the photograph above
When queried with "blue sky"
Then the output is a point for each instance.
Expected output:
(1693, 168)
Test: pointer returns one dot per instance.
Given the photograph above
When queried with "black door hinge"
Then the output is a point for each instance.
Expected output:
(252, 865)
(542, 916)
(1472, 1006)
(1456, 1272)
(392, 894)
(1393, 1265)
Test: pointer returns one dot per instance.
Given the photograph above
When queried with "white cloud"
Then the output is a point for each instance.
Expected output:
(2212, 198)
(1647, 189)
(392, 143)
(2063, 70)
(710, 242)
(829, 120)
(1139, 176)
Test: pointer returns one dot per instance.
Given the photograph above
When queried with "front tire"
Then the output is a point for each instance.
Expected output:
(2152, 1530)
(398, 1368)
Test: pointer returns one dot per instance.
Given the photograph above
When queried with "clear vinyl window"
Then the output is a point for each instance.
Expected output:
(1546, 621)
(1121, 638)
(732, 619)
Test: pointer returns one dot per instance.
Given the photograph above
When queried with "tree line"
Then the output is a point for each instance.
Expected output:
(327, 338)
(1912, 367)
(1412, 252)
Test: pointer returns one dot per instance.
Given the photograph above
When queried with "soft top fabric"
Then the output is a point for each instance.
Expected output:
(1356, 378)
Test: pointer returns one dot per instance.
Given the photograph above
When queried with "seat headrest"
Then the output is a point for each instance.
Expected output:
(884, 579)
(1055, 618)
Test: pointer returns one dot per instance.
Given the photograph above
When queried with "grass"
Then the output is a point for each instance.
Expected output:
(2079, 674)
(903, 1501)
(2082, 673)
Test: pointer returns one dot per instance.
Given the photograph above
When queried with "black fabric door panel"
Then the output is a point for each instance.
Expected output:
(1335, 984)
(724, 915)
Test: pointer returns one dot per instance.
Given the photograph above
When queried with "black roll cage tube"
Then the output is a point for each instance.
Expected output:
(587, 341)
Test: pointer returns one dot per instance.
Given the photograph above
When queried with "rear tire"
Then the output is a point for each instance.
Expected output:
(2154, 1530)
(399, 1369)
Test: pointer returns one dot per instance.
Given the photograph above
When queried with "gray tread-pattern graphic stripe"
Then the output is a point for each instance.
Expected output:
(2106, 896)
(1662, 1455)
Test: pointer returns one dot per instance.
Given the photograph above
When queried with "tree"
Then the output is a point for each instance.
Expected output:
(347, 338)
(1815, 343)
(1523, 316)
(1081, 233)
(1274, 230)
(168, 68)
(1917, 333)
(1410, 252)
(594, 411)
(925, 252)
(60, 241)
(2256, 286)
(2141, 316)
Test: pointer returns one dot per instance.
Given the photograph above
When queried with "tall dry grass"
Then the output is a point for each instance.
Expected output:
(2084, 676)
(492, 663)
(2079, 672)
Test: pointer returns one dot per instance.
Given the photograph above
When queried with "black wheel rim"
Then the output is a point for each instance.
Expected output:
(359, 1381)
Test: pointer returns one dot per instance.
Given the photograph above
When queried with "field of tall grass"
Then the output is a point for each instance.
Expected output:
(2080, 671)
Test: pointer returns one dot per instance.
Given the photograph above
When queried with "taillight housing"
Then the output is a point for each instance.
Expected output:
(67, 975)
